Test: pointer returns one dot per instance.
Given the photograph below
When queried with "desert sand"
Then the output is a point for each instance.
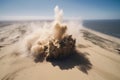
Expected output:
(96, 55)
(96, 58)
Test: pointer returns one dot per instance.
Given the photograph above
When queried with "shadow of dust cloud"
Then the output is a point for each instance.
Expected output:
(77, 59)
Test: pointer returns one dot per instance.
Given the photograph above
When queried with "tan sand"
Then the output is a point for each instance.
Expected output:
(92, 63)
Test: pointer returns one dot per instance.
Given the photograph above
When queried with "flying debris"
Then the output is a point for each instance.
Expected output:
(56, 44)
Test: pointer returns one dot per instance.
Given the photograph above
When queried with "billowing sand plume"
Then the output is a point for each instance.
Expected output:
(53, 42)
(58, 15)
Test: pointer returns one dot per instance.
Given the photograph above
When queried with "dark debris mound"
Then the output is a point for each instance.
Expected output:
(57, 49)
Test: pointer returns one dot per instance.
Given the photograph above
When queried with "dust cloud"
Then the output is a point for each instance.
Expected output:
(55, 40)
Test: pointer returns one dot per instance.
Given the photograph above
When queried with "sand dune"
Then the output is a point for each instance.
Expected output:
(96, 56)
(96, 59)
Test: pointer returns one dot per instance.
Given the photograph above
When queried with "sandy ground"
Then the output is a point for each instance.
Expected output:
(96, 59)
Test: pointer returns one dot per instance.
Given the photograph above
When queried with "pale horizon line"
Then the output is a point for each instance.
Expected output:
(22, 18)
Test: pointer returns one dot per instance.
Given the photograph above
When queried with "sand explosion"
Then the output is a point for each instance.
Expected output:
(53, 42)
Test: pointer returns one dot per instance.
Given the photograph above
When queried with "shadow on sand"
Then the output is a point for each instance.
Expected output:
(77, 59)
